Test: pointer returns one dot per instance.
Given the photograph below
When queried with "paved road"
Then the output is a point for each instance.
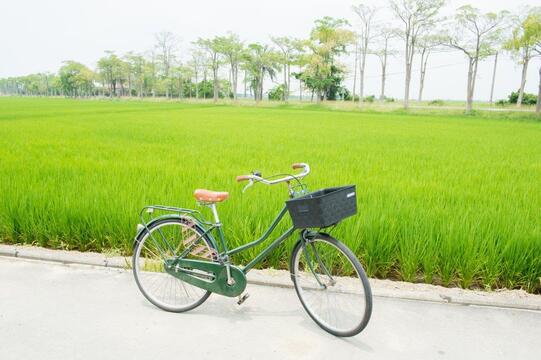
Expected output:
(53, 311)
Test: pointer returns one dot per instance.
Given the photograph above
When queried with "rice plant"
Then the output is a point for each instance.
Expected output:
(445, 199)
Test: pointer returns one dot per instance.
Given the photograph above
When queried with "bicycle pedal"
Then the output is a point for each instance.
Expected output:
(242, 298)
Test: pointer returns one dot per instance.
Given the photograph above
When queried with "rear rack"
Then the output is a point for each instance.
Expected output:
(146, 214)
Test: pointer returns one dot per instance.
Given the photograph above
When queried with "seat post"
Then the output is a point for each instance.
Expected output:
(215, 213)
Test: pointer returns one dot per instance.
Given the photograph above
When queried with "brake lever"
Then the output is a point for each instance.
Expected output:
(248, 185)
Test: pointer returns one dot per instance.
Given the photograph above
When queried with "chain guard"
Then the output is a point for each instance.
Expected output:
(207, 275)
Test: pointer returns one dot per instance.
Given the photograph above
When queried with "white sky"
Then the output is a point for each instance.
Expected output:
(37, 35)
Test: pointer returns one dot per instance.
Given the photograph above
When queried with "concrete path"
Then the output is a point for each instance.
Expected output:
(54, 311)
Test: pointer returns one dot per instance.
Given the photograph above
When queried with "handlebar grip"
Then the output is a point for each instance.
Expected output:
(243, 178)
(297, 166)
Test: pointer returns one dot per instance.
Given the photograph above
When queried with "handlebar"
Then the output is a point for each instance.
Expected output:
(254, 178)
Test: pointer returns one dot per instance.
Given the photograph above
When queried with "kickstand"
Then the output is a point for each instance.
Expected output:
(242, 298)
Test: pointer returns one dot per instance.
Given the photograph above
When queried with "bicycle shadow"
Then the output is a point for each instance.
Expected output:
(239, 315)
(228, 311)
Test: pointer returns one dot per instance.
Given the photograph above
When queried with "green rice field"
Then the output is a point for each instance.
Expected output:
(444, 199)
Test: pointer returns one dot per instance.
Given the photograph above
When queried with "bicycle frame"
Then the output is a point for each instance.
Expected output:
(209, 227)
(226, 252)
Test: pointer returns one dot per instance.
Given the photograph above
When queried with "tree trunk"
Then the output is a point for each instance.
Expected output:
(382, 93)
(300, 85)
(180, 89)
(383, 60)
(261, 85)
(284, 96)
(355, 71)
(469, 93)
(493, 79)
(361, 73)
(288, 81)
(522, 82)
(424, 61)
(538, 105)
(196, 87)
(215, 87)
(235, 79)
(407, 87)
(407, 81)
(245, 83)
(474, 78)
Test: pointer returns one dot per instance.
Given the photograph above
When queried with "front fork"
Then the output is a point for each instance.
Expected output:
(307, 241)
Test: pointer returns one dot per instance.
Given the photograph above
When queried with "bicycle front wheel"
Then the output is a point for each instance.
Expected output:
(332, 285)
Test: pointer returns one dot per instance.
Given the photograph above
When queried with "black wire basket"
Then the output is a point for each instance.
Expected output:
(323, 208)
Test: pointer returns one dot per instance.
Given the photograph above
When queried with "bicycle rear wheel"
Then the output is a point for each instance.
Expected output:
(165, 240)
(331, 285)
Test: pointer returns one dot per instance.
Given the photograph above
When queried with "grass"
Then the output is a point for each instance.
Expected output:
(445, 199)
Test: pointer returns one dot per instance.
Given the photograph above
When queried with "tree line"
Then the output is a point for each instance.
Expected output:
(416, 31)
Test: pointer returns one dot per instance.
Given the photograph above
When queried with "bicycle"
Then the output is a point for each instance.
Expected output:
(177, 262)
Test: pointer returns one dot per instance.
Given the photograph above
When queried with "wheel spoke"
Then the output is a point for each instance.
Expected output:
(339, 306)
(166, 241)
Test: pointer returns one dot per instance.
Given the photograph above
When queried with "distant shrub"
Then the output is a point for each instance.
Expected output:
(501, 102)
(369, 98)
(388, 99)
(437, 102)
(527, 99)
(277, 93)
(343, 93)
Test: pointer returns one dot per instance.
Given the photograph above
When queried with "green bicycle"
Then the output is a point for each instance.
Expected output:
(178, 262)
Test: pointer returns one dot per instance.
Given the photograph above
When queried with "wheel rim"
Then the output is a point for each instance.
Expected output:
(166, 241)
(340, 304)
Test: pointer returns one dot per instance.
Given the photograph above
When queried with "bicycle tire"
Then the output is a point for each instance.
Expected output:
(359, 282)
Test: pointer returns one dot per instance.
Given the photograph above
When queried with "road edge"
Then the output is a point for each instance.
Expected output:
(513, 299)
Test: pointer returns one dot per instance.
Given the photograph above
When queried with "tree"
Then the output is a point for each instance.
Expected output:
(521, 45)
(150, 73)
(112, 71)
(199, 64)
(76, 79)
(40, 84)
(289, 49)
(136, 72)
(416, 17)
(475, 34)
(233, 50)
(425, 45)
(166, 45)
(532, 31)
(383, 52)
(301, 59)
(179, 74)
(259, 61)
(213, 48)
(322, 74)
(366, 15)
(205, 89)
